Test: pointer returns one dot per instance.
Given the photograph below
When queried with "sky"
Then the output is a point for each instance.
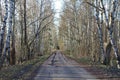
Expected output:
(58, 9)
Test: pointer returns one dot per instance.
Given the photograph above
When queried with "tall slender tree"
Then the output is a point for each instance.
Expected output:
(2, 32)
(13, 52)
(7, 41)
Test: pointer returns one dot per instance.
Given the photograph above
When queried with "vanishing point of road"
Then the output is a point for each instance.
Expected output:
(59, 67)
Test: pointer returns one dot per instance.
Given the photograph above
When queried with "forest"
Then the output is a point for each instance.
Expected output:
(27, 26)
(90, 28)
(86, 29)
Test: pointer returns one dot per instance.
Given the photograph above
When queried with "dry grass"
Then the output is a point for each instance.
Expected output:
(100, 71)
(21, 71)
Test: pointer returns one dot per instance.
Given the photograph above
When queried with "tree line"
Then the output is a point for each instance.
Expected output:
(27, 30)
(90, 28)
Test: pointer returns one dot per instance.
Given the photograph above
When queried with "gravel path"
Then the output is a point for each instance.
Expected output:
(59, 67)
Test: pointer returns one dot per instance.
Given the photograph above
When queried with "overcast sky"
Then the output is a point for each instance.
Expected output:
(58, 9)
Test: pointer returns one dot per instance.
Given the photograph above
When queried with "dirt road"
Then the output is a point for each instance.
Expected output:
(59, 67)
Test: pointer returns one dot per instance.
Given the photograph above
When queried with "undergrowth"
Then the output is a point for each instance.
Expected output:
(21, 71)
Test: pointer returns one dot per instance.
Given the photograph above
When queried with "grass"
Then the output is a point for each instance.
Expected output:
(83, 60)
(98, 69)
(21, 71)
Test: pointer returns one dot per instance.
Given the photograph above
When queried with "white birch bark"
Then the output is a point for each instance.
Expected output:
(2, 32)
(110, 25)
(110, 30)
(7, 43)
(99, 25)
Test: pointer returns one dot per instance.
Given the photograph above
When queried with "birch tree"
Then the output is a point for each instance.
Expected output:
(6, 50)
(100, 32)
(2, 32)
(94, 24)
(110, 23)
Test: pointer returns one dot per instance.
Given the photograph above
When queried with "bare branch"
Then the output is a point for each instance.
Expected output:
(91, 4)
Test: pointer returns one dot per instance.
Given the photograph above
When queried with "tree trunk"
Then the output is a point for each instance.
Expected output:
(2, 32)
(1, 15)
(25, 27)
(27, 50)
(110, 28)
(7, 44)
(100, 33)
(107, 55)
(12, 52)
